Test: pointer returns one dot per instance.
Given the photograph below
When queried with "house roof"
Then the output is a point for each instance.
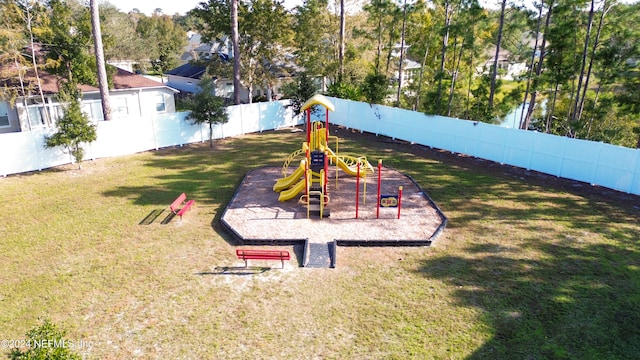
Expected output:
(127, 80)
(188, 70)
(50, 84)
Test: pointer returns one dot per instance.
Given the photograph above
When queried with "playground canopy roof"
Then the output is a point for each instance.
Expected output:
(318, 99)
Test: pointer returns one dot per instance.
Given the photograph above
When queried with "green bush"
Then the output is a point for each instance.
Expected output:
(45, 342)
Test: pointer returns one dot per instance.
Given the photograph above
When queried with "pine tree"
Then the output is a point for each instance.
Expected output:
(73, 128)
(208, 108)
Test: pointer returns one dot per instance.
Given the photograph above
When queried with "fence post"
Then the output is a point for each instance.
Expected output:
(635, 176)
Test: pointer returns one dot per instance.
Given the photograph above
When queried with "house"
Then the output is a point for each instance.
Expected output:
(508, 68)
(197, 50)
(131, 96)
(410, 71)
(187, 76)
(410, 68)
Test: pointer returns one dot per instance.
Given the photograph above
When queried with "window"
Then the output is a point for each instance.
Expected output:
(120, 108)
(56, 112)
(4, 115)
(160, 104)
(228, 89)
(93, 108)
(36, 116)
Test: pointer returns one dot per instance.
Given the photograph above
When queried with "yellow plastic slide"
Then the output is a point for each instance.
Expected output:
(292, 192)
(353, 169)
(353, 172)
(286, 182)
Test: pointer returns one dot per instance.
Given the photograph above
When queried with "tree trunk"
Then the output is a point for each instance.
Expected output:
(342, 35)
(467, 114)
(210, 134)
(574, 112)
(523, 124)
(379, 49)
(595, 102)
(454, 76)
(534, 94)
(102, 71)
(424, 62)
(404, 22)
(552, 110)
(593, 52)
(494, 71)
(235, 40)
(34, 62)
(23, 94)
(445, 41)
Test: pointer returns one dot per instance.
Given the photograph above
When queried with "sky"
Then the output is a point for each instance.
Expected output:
(168, 7)
(171, 7)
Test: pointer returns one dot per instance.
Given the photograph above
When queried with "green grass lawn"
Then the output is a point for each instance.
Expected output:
(522, 271)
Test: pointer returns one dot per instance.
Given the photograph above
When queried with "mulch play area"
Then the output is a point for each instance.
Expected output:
(255, 216)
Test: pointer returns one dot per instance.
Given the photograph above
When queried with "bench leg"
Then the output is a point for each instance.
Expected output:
(245, 263)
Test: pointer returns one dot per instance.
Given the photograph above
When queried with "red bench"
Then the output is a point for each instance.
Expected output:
(246, 254)
(177, 203)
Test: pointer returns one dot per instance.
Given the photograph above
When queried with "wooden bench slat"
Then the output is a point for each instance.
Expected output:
(177, 202)
(176, 208)
(185, 208)
(251, 254)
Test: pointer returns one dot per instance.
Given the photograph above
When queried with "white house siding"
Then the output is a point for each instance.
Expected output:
(8, 118)
(183, 83)
(131, 103)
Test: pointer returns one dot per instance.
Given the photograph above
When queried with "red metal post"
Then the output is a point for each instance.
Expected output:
(379, 182)
(399, 200)
(357, 188)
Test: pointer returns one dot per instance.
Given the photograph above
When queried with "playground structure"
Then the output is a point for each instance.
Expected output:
(255, 217)
(311, 177)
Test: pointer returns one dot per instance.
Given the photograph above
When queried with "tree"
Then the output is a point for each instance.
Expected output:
(208, 108)
(19, 20)
(312, 47)
(494, 68)
(265, 33)
(449, 10)
(235, 42)
(68, 41)
(73, 128)
(165, 40)
(378, 12)
(99, 52)
(342, 41)
(404, 26)
(121, 41)
(375, 88)
(344, 90)
(47, 332)
(299, 91)
(534, 76)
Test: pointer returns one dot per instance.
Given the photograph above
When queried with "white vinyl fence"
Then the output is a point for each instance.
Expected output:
(25, 151)
(596, 163)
